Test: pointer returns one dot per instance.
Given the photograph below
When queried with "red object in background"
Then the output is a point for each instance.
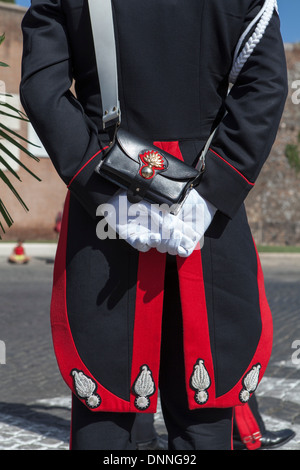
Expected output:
(18, 255)
(19, 250)
(58, 220)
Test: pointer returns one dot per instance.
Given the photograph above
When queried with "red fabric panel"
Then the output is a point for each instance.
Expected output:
(147, 327)
(148, 317)
(196, 338)
(247, 426)
(65, 349)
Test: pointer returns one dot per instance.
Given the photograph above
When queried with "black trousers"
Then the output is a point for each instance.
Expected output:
(207, 429)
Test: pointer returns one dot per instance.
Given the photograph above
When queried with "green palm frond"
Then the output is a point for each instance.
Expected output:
(6, 156)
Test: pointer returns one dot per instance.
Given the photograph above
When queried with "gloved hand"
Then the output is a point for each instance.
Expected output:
(128, 224)
(177, 237)
(145, 226)
(197, 213)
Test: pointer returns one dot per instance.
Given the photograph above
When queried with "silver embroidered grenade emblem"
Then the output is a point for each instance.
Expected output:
(152, 161)
(85, 388)
(200, 382)
(143, 388)
(250, 382)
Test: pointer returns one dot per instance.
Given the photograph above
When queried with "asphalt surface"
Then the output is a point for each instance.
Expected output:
(34, 400)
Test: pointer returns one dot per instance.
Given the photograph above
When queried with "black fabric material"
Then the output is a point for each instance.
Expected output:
(230, 278)
(101, 283)
(208, 429)
(172, 86)
(144, 427)
(173, 62)
(101, 431)
(101, 287)
(255, 410)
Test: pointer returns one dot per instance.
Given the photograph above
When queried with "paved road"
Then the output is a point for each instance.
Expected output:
(34, 401)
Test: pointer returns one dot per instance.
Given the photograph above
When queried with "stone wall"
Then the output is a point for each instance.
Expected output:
(44, 199)
(273, 206)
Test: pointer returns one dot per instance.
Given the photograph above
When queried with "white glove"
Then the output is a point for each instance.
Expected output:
(135, 231)
(197, 213)
(177, 238)
(145, 226)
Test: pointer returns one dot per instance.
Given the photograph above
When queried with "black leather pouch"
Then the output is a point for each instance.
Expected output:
(147, 172)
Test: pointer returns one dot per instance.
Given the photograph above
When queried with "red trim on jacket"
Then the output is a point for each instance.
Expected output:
(196, 336)
(231, 166)
(147, 327)
(196, 333)
(80, 170)
(65, 350)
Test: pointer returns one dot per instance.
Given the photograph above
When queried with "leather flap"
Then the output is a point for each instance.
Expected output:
(173, 168)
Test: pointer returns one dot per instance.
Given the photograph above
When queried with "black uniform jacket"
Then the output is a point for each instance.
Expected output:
(174, 58)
